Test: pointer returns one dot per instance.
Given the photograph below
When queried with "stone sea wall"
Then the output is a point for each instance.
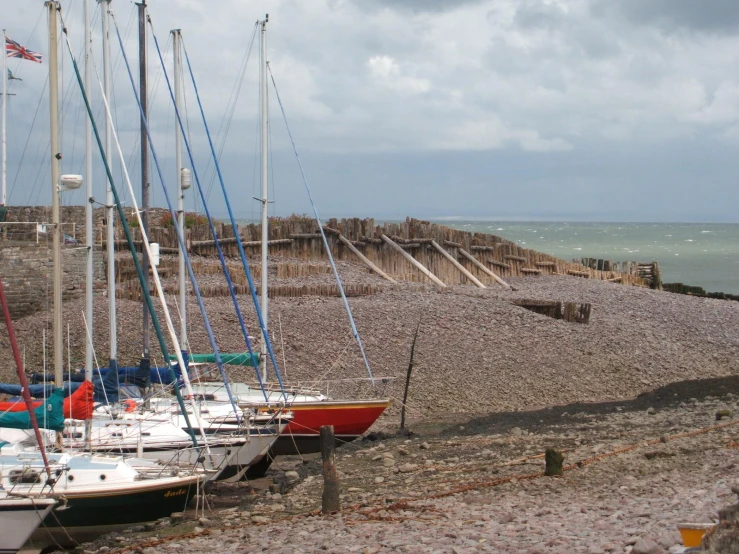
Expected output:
(26, 271)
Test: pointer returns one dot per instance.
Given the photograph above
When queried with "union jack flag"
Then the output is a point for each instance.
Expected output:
(15, 50)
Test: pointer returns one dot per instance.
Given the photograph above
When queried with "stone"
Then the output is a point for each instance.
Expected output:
(425, 446)
(646, 546)
(388, 462)
(407, 468)
(516, 432)
(651, 411)
(292, 476)
(379, 479)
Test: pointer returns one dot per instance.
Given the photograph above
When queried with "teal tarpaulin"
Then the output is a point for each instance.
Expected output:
(49, 415)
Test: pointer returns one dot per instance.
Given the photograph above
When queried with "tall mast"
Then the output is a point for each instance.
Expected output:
(144, 166)
(109, 200)
(5, 105)
(57, 234)
(264, 200)
(182, 281)
(88, 205)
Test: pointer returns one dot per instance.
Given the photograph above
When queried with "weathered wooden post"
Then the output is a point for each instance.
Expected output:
(408, 375)
(554, 459)
(331, 501)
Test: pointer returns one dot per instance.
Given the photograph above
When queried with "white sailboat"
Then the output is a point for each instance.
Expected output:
(101, 493)
(311, 410)
(19, 518)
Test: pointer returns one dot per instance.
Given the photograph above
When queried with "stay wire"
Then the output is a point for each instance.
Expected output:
(230, 109)
(240, 247)
(179, 232)
(124, 223)
(355, 332)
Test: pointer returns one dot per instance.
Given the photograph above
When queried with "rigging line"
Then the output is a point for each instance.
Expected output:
(230, 109)
(240, 246)
(178, 231)
(145, 243)
(28, 138)
(224, 265)
(323, 234)
(126, 230)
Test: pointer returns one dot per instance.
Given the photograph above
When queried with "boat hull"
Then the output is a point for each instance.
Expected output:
(350, 419)
(19, 518)
(89, 514)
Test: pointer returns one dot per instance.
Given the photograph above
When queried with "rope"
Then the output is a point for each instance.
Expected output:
(355, 333)
(230, 108)
(242, 255)
(126, 230)
(179, 232)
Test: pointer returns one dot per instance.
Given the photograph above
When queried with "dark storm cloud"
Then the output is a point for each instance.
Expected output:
(716, 16)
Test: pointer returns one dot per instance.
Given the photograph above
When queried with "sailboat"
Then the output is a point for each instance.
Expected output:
(19, 518)
(99, 493)
(311, 411)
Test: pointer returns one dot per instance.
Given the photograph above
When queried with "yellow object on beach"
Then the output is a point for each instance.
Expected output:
(692, 533)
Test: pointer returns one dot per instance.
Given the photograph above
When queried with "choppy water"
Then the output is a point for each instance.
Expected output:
(698, 254)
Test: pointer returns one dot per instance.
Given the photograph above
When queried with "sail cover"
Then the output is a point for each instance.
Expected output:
(78, 405)
(49, 415)
(240, 359)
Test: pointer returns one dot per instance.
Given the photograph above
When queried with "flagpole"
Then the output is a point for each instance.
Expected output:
(5, 103)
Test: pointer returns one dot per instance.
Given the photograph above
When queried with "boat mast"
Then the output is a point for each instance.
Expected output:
(264, 199)
(5, 105)
(181, 172)
(89, 315)
(88, 205)
(109, 200)
(57, 230)
(144, 167)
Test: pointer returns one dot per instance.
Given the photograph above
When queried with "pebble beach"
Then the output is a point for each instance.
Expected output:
(493, 385)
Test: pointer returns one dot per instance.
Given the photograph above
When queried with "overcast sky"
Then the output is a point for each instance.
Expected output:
(529, 109)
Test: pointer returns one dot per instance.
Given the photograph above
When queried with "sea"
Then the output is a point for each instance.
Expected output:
(696, 254)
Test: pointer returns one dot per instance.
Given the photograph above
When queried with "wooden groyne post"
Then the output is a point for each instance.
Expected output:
(330, 502)
(414, 261)
(458, 265)
(484, 269)
(346, 242)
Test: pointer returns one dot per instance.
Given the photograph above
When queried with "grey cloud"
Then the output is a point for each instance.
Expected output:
(415, 6)
(717, 16)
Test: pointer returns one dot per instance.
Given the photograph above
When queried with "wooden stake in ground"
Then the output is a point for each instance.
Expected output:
(408, 376)
(331, 501)
(554, 459)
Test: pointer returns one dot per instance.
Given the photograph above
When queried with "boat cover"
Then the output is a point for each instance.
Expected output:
(105, 388)
(49, 415)
(140, 376)
(240, 358)
(78, 405)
